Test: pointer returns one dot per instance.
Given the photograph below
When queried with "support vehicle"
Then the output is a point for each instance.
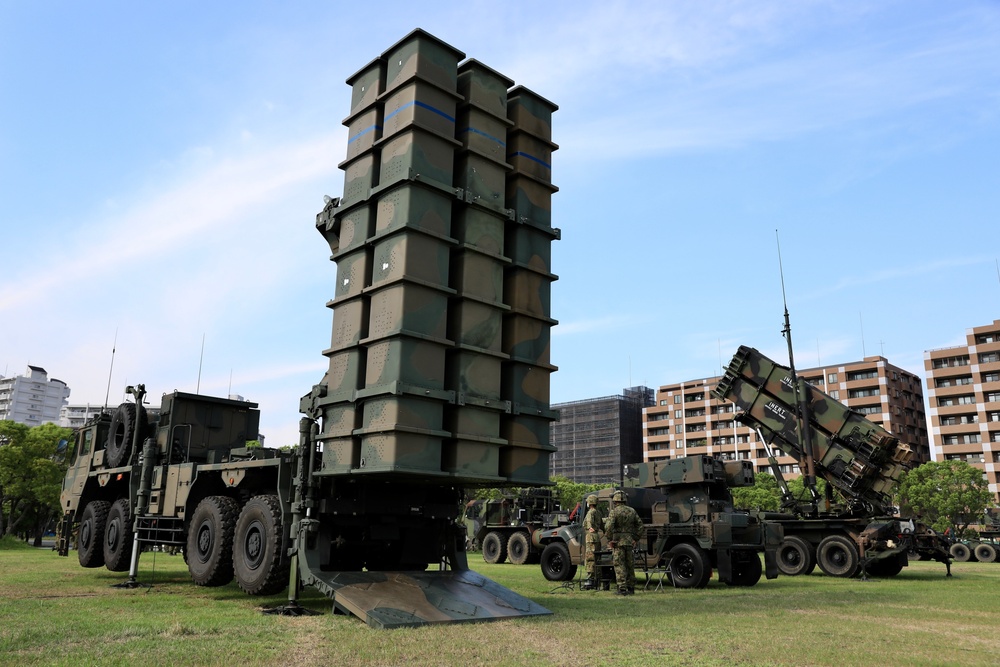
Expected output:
(690, 526)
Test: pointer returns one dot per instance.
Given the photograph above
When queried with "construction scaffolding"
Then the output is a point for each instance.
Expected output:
(595, 437)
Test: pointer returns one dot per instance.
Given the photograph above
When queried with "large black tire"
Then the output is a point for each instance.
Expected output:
(258, 560)
(887, 567)
(494, 548)
(985, 553)
(118, 537)
(121, 437)
(838, 556)
(796, 557)
(209, 548)
(91, 536)
(961, 552)
(747, 569)
(518, 548)
(556, 563)
(690, 566)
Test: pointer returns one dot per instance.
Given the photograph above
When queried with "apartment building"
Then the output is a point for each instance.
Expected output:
(33, 398)
(687, 420)
(963, 389)
(595, 437)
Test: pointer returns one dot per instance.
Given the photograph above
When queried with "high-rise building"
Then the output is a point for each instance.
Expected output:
(32, 398)
(963, 388)
(687, 420)
(595, 437)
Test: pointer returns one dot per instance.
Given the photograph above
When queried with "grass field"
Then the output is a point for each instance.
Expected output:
(53, 612)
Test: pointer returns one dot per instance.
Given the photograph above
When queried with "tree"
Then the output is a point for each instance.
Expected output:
(763, 495)
(945, 494)
(33, 462)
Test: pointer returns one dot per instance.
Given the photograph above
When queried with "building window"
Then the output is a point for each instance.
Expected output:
(862, 375)
(869, 409)
(989, 357)
(987, 338)
(835, 394)
(993, 397)
(991, 377)
(951, 362)
(862, 393)
(677, 398)
(679, 428)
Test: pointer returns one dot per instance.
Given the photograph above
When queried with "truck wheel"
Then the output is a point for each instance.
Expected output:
(210, 541)
(689, 566)
(985, 553)
(887, 567)
(795, 556)
(961, 552)
(494, 548)
(118, 448)
(837, 556)
(95, 518)
(257, 553)
(118, 537)
(556, 563)
(746, 569)
(518, 548)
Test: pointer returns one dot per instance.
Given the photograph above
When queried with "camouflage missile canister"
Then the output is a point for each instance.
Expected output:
(861, 457)
(439, 362)
(528, 285)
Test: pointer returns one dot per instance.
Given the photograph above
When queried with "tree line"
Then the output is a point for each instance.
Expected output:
(33, 463)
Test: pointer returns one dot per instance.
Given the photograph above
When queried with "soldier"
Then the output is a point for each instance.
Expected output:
(623, 528)
(593, 528)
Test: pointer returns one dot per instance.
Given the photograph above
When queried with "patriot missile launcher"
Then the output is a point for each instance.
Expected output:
(855, 456)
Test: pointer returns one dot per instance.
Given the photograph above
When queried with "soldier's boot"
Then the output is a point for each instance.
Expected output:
(589, 584)
(621, 591)
(631, 590)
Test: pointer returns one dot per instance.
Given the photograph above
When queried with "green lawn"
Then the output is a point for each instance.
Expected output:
(54, 612)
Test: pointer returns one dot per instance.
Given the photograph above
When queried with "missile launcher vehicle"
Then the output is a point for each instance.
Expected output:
(855, 456)
(437, 381)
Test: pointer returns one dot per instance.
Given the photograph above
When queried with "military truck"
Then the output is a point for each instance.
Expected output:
(437, 380)
(859, 459)
(502, 528)
(690, 526)
(986, 549)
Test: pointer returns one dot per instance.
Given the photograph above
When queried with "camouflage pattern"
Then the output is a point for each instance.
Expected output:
(417, 102)
(422, 55)
(363, 130)
(593, 529)
(418, 401)
(414, 205)
(698, 510)
(415, 151)
(858, 457)
(531, 155)
(855, 455)
(484, 87)
(366, 85)
(623, 528)
(483, 133)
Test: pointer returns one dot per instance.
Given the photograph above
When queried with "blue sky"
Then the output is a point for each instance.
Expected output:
(161, 165)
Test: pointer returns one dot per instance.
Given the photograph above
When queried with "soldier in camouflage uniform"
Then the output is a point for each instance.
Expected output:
(593, 528)
(623, 528)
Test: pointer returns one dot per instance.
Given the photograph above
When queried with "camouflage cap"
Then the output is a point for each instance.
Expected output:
(592, 499)
(619, 497)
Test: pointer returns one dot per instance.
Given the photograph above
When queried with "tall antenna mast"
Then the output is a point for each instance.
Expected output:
(201, 358)
(114, 345)
(800, 391)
